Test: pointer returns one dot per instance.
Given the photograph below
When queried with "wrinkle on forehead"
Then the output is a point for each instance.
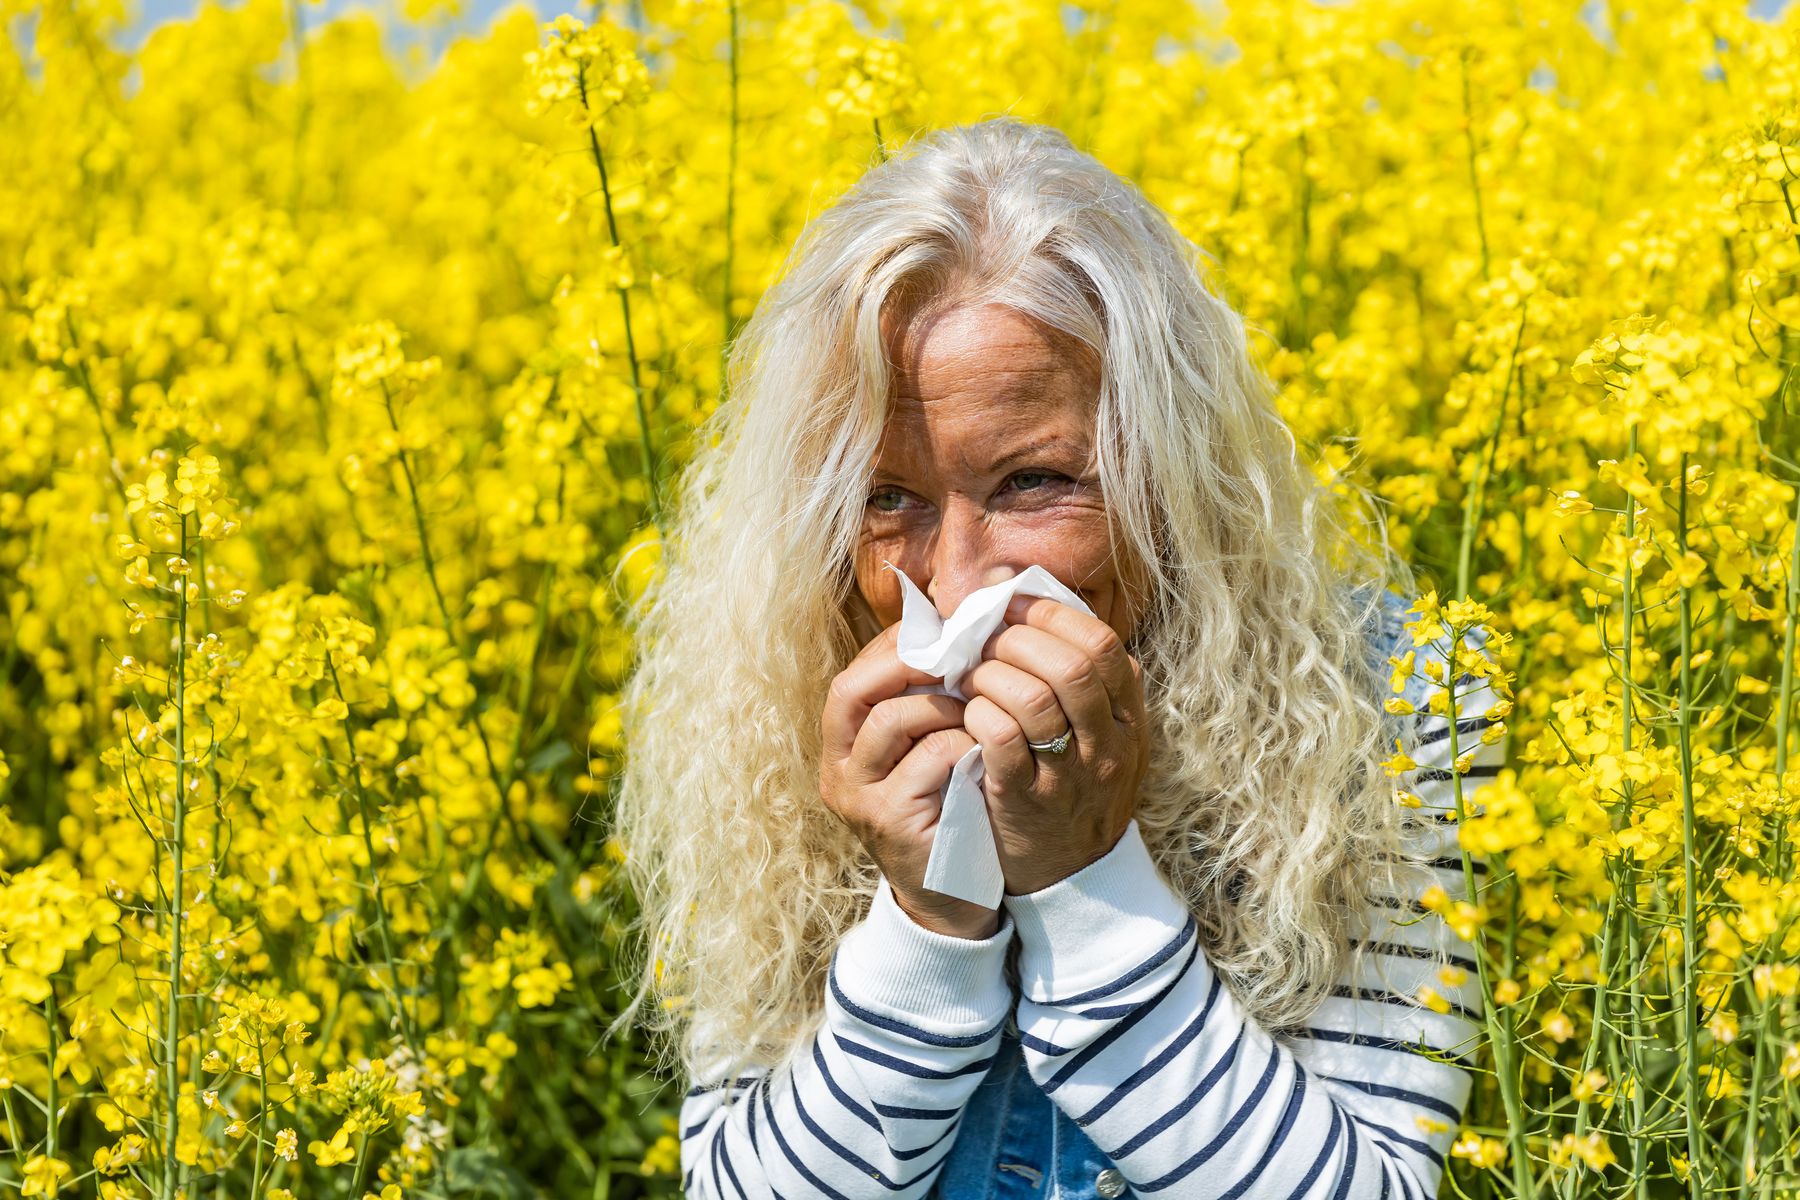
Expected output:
(1013, 354)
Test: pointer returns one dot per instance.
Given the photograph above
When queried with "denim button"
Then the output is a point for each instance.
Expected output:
(1110, 1183)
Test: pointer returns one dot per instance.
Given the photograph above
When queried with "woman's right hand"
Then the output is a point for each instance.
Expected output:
(885, 759)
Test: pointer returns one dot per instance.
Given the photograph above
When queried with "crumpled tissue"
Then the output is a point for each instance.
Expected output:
(964, 860)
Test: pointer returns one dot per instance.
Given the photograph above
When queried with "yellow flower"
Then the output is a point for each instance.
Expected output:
(1790, 1062)
(1588, 1086)
(1433, 999)
(44, 1176)
(664, 1155)
(334, 1152)
(1480, 1152)
(1558, 1027)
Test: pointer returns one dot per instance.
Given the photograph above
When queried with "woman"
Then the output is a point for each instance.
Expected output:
(1205, 976)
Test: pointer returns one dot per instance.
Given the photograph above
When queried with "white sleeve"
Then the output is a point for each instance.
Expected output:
(870, 1103)
(1126, 1027)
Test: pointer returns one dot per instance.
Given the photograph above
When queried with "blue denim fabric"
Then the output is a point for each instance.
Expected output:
(1014, 1143)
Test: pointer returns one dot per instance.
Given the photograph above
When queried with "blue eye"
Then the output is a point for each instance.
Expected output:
(1045, 476)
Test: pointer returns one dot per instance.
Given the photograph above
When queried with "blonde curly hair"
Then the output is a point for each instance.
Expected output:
(1265, 804)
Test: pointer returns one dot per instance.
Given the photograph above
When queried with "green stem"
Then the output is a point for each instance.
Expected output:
(1476, 497)
(412, 492)
(637, 386)
(1689, 904)
(381, 919)
(262, 1116)
(50, 1074)
(1505, 1070)
(172, 1028)
(1474, 174)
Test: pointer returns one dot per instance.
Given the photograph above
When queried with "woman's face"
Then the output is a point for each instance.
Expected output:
(986, 467)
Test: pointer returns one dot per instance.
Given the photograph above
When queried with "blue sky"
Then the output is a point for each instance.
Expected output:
(478, 14)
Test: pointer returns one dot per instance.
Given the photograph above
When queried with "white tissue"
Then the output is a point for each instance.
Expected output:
(964, 861)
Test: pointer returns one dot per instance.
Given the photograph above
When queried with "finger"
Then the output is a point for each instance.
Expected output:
(1026, 698)
(893, 726)
(1072, 676)
(925, 769)
(874, 675)
(1005, 758)
(1093, 637)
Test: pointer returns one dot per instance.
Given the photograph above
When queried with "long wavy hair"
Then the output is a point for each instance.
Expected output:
(1265, 804)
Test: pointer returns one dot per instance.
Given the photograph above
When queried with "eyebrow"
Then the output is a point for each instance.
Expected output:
(1035, 447)
(1031, 449)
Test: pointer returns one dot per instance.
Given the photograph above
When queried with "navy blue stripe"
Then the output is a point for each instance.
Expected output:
(844, 1097)
(1318, 1166)
(1182, 1106)
(1344, 992)
(1288, 1116)
(717, 1145)
(750, 1120)
(1052, 1050)
(1394, 1135)
(1379, 1043)
(901, 1027)
(731, 1171)
(806, 1173)
(1402, 950)
(1455, 864)
(1163, 1059)
(1441, 731)
(870, 1054)
(1438, 774)
(1132, 976)
(855, 1160)
(1398, 1093)
(1409, 1187)
(1120, 1029)
(1224, 1135)
(1349, 1175)
(740, 1081)
(1382, 1166)
(913, 1114)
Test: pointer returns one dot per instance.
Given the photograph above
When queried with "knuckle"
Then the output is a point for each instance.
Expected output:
(886, 718)
(1082, 672)
(947, 743)
(1103, 643)
(1041, 701)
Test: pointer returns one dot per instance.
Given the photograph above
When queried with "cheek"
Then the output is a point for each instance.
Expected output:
(1071, 545)
(879, 586)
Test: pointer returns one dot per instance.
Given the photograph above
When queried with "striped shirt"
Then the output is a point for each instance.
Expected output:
(1124, 1025)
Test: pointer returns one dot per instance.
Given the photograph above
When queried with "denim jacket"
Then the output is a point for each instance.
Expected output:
(1014, 1144)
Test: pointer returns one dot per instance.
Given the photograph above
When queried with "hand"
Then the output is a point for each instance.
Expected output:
(1051, 668)
(885, 758)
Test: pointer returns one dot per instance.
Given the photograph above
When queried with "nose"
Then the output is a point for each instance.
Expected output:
(964, 559)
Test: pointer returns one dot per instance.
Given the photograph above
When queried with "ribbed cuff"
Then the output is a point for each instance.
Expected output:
(1089, 928)
(898, 968)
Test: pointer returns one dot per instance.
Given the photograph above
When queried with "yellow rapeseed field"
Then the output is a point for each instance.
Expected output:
(338, 393)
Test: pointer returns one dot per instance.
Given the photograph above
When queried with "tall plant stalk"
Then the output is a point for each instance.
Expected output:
(177, 836)
(1689, 1025)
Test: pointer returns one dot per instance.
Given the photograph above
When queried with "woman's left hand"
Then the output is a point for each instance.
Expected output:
(1051, 668)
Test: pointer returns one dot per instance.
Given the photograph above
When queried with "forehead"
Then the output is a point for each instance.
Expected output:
(986, 360)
